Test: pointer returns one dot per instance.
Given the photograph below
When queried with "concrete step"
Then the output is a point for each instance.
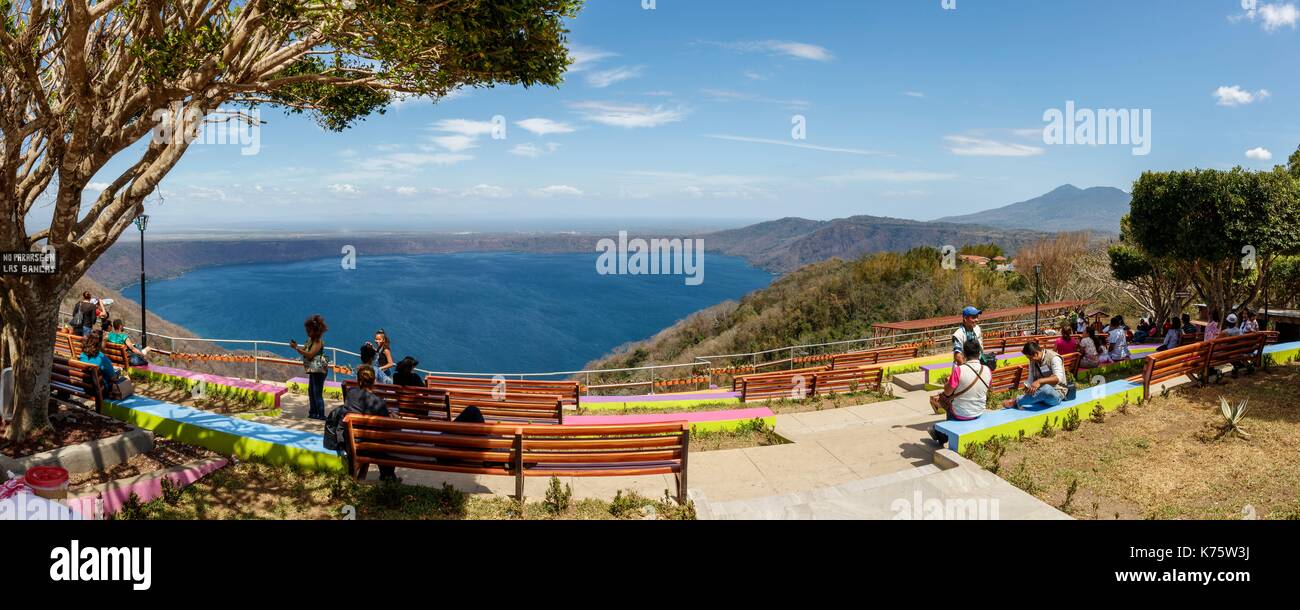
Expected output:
(911, 382)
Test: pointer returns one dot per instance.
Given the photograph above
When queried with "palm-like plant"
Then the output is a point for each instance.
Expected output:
(1233, 416)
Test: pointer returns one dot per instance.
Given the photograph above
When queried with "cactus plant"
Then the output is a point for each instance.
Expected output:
(1233, 415)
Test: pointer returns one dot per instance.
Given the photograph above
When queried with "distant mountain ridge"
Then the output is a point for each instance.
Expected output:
(1068, 208)
(789, 243)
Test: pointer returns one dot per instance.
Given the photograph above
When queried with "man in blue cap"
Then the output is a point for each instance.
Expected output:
(969, 329)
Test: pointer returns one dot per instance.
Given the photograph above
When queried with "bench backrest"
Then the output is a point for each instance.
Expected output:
(439, 403)
(1016, 343)
(569, 391)
(411, 402)
(1173, 363)
(736, 381)
(520, 450)
(1227, 350)
(800, 384)
(77, 378)
(1007, 378)
(68, 345)
(874, 356)
(1188, 339)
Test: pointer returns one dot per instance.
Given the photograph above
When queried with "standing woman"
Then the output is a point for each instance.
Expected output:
(383, 358)
(316, 364)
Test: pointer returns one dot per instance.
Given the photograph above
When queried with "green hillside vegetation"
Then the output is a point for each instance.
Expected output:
(828, 301)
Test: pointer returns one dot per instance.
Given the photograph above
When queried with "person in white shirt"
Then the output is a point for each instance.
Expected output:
(1232, 329)
(1048, 383)
(966, 395)
(1118, 340)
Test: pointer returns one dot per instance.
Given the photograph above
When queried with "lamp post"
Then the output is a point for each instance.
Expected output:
(1038, 283)
(141, 222)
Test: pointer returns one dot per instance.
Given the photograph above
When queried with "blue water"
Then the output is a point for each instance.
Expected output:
(467, 312)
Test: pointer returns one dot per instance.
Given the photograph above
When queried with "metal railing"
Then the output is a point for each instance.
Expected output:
(756, 359)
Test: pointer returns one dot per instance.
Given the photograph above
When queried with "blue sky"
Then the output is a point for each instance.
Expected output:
(686, 112)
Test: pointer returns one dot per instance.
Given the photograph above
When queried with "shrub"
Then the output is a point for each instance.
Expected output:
(558, 498)
(1098, 414)
(1071, 421)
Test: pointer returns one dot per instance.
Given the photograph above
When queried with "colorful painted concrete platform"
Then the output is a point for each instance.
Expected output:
(684, 400)
(298, 385)
(1013, 422)
(268, 395)
(701, 421)
(229, 436)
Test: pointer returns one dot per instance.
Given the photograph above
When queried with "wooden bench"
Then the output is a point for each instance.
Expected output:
(1171, 364)
(1245, 349)
(570, 392)
(69, 345)
(71, 377)
(797, 384)
(1189, 339)
(520, 450)
(447, 405)
(735, 381)
(1008, 378)
(875, 356)
(1016, 343)
(410, 402)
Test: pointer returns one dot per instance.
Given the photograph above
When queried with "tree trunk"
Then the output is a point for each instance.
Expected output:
(31, 314)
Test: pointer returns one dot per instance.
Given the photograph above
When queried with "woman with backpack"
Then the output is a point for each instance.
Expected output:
(315, 364)
(967, 393)
(84, 314)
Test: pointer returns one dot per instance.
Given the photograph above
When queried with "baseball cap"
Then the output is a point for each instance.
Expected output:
(970, 311)
(1232, 318)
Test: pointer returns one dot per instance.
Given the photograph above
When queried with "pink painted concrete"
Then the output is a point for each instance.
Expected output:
(146, 491)
(702, 416)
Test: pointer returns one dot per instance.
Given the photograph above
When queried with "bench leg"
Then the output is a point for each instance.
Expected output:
(362, 470)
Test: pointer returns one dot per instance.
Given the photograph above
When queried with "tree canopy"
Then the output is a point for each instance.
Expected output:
(86, 82)
(1223, 228)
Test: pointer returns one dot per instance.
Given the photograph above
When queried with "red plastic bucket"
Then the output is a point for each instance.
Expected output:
(49, 482)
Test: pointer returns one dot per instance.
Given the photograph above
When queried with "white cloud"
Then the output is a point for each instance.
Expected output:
(889, 175)
(408, 161)
(406, 191)
(98, 187)
(1273, 17)
(916, 94)
(456, 143)
(486, 191)
(1236, 96)
(527, 150)
(967, 146)
(629, 116)
(464, 127)
(544, 127)
(605, 78)
(796, 144)
(557, 190)
(584, 57)
(1259, 154)
(797, 50)
(346, 189)
(727, 95)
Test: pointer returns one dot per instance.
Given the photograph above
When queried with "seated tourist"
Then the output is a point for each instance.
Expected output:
(966, 395)
(1143, 331)
(362, 400)
(118, 336)
(368, 353)
(1118, 340)
(1173, 335)
(405, 374)
(1048, 384)
(1188, 327)
(1067, 344)
(1090, 350)
(1212, 327)
(1232, 328)
(1252, 322)
(109, 377)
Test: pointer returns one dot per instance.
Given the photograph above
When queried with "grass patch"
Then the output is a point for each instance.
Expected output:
(1167, 458)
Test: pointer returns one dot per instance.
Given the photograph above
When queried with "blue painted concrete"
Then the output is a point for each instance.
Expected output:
(296, 439)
